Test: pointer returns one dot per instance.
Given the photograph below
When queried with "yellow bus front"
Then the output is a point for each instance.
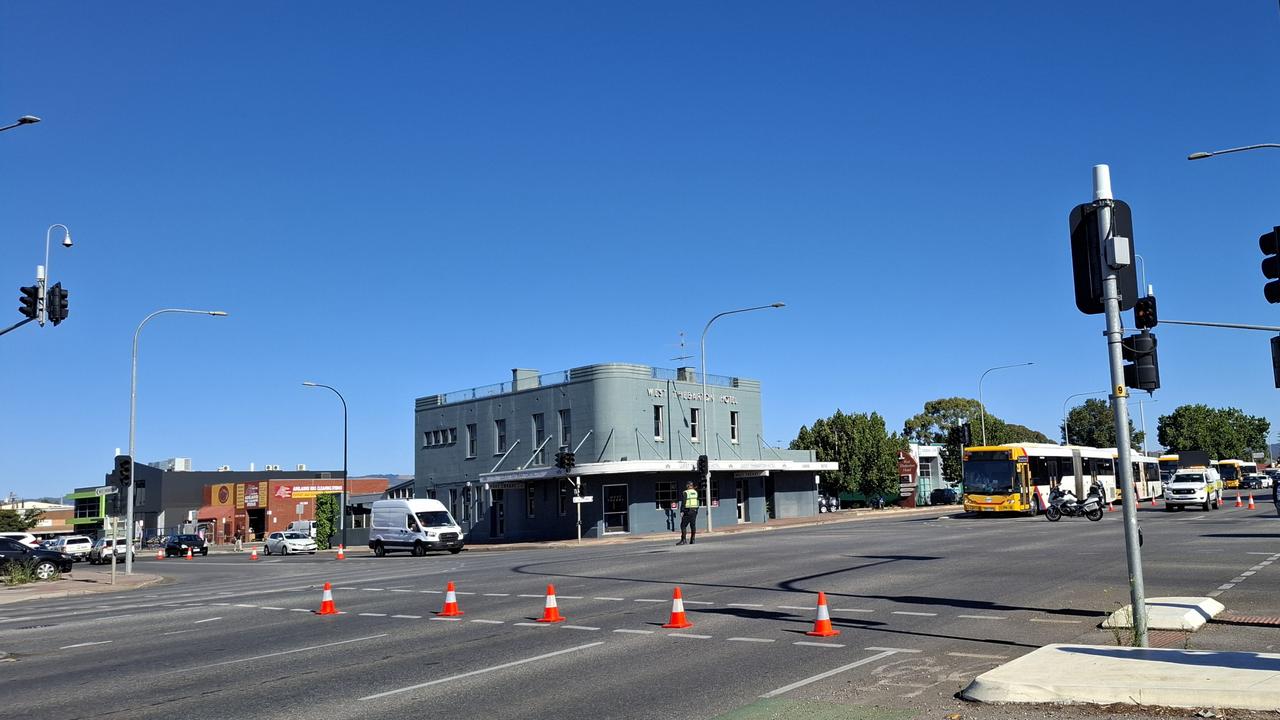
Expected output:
(996, 480)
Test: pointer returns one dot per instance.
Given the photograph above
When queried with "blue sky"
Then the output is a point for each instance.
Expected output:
(407, 198)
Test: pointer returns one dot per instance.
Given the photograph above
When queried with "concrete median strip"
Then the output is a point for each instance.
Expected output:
(1102, 675)
(1169, 613)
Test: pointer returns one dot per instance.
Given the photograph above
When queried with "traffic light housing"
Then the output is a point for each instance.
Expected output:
(569, 460)
(703, 464)
(1144, 373)
(29, 301)
(124, 470)
(966, 434)
(1269, 243)
(560, 460)
(1144, 313)
(55, 303)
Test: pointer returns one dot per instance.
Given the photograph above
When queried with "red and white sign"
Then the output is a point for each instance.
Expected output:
(284, 492)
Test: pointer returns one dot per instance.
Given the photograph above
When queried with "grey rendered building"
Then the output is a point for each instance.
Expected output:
(489, 453)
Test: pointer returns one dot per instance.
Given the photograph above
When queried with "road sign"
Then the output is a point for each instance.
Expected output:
(585, 498)
(107, 490)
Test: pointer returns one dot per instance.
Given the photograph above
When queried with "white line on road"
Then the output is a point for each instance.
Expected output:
(607, 598)
(569, 597)
(1257, 553)
(489, 622)
(1227, 586)
(533, 624)
(85, 644)
(689, 635)
(634, 632)
(861, 610)
(579, 627)
(372, 589)
(529, 596)
(698, 602)
(270, 607)
(445, 619)
(482, 670)
(979, 655)
(408, 617)
(248, 606)
(817, 644)
(648, 600)
(749, 639)
(1239, 579)
(400, 590)
(745, 605)
(982, 617)
(206, 620)
(177, 632)
(298, 610)
(282, 652)
(1060, 622)
(827, 674)
(372, 614)
(1215, 593)
(431, 592)
(889, 649)
(497, 594)
(793, 607)
(920, 614)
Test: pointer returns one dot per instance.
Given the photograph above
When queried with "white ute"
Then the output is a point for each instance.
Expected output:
(1193, 486)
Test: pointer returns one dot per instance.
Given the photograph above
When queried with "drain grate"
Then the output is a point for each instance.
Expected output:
(1166, 638)
(1254, 620)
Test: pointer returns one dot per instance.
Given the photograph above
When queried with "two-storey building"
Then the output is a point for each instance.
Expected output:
(636, 434)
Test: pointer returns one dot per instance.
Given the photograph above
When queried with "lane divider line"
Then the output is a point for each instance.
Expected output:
(488, 622)
(608, 598)
(206, 620)
(1060, 622)
(85, 644)
(648, 600)
(918, 614)
(745, 605)
(372, 614)
(408, 617)
(982, 617)
(629, 631)
(817, 644)
(751, 639)
(532, 624)
(889, 649)
(481, 671)
(278, 654)
(861, 610)
(579, 627)
(497, 594)
(444, 619)
(821, 676)
(689, 635)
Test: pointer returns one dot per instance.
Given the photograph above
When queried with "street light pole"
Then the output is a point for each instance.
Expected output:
(24, 120)
(342, 509)
(706, 478)
(982, 407)
(133, 414)
(42, 272)
(1066, 428)
(1203, 155)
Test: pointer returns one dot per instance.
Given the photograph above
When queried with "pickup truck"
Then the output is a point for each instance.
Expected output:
(1200, 487)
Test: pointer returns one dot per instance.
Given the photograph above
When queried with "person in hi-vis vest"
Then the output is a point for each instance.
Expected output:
(689, 513)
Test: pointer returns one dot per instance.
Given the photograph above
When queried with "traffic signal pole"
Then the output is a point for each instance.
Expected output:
(1116, 251)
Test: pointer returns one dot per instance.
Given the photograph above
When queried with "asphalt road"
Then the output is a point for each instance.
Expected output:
(923, 605)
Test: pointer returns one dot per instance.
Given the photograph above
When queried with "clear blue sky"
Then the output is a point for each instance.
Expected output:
(402, 198)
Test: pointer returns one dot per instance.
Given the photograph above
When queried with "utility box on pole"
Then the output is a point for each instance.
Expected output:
(1090, 255)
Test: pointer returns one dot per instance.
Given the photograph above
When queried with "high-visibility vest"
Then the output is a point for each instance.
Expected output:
(690, 499)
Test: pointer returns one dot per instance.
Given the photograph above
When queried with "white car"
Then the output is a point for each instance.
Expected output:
(77, 546)
(287, 543)
(23, 537)
(104, 548)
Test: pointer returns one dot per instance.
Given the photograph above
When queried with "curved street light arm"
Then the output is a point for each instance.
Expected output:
(1203, 155)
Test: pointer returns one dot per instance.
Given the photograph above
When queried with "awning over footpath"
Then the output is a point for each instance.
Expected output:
(628, 467)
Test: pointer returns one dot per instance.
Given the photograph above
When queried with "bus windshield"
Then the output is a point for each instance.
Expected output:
(1229, 472)
(989, 476)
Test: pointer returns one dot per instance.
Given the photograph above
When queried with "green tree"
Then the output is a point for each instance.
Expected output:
(1093, 424)
(15, 521)
(942, 422)
(866, 453)
(940, 417)
(326, 519)
(1221, 432)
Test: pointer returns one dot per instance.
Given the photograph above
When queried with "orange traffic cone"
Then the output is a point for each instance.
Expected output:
(189, 555)
(1251, 505)
(678, 619)
(822, 625)
(253, 554)
(326, 602)
(551, 613)
(1153, 501)
(450, 603)
(160, 554)
(1238, 503)
(341, 556)
(1111, 506)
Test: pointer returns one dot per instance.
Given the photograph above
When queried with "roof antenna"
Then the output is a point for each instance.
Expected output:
(682, 357)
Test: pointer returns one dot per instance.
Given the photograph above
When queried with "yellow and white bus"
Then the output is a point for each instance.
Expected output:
(1232, 472)
(1146, 476)
(1018, 477)
(1168, 465)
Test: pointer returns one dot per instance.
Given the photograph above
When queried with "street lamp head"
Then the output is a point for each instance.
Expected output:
(308, 383)
(217, 313)
(28, 120)
(778, 305)
(66, 239)
(1199, 155)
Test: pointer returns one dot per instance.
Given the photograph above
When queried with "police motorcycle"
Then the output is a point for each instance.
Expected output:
(1063, 502)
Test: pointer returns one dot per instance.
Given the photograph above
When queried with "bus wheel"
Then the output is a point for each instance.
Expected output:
(1035, 505)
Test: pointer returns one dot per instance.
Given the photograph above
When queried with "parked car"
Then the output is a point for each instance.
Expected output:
(289, 542)
(944, 496)
(23, 537)
(46, 563)
(178, 545)
(827, 504)
(77, 546)
(104, 548)
(1256, 480)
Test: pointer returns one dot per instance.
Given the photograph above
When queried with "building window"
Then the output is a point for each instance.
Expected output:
(530, 499)
(657, 422)
(436, 438)
(453, 502)
(694, 416)
(539, 435)
(664, 493)
(566, 430)
(471, 440)
(733, 426)
(926, 469)
(564, 497)
(500, 436)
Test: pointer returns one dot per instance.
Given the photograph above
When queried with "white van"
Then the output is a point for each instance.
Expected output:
(306, 527)
(416, 525)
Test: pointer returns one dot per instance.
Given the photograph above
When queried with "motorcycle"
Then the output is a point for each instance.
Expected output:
(1064, 502)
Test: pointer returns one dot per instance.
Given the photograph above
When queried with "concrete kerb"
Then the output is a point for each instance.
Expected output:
(1169, 613)
(75, 587)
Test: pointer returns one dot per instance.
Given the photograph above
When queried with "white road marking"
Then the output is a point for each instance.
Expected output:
(408, 617)
(689, 635)
(372, 614)
(982, 617)
(698, 602)
(817, 644)
(206, 620)
(1247, 573)
(372, 589)
(861, 610)
(399, 590)
(270, 607)
(1239, 579)
(445, 619)
(569, 597)
(750, 639)
(978, 655)
(431, 592)
(745, 605)
(889, 649)
(827, 674)
(85, 644)
(483, 670)
(579, 627)
(1215, 593)
(221, 604)
(533, 624)
(298, 610)
(497, 594)
(282, 652)
(919, 614)
(346, 588)
(248, 606)
(1227, 586)
(607, 598)
(489, 622)
(529, 596)
(648, 600)
(634, 632)
(1060, 622)
(1257, 553)
(177, 632)
(793, 607)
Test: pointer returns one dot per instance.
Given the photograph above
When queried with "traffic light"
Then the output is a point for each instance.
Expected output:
(30, 301)
(703, 464)
(124, 470)
(55, 303)
(966, 434)
(1144, 373)
(569, 460)
(560, 460)
(1269, 243)
(1144, 312)
(1275, 359)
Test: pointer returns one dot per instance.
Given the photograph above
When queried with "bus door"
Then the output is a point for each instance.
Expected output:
(1080, 466)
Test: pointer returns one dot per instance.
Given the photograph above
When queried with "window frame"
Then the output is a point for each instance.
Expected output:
(733, 426)
(499, 436)
(658, 412)
(695, 417)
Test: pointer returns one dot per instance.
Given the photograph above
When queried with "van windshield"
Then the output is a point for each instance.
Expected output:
(435, 518)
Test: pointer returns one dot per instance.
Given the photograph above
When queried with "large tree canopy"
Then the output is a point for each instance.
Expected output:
(1093, 424)
(939, 417)
(866, 452)
(1222, 432)
(19, 521)
(942, 422)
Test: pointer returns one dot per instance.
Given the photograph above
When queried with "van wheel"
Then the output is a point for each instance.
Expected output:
(419, 549)
(378, 550)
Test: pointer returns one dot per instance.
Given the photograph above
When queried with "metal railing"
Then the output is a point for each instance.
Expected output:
(692, 377)
(552, 378)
